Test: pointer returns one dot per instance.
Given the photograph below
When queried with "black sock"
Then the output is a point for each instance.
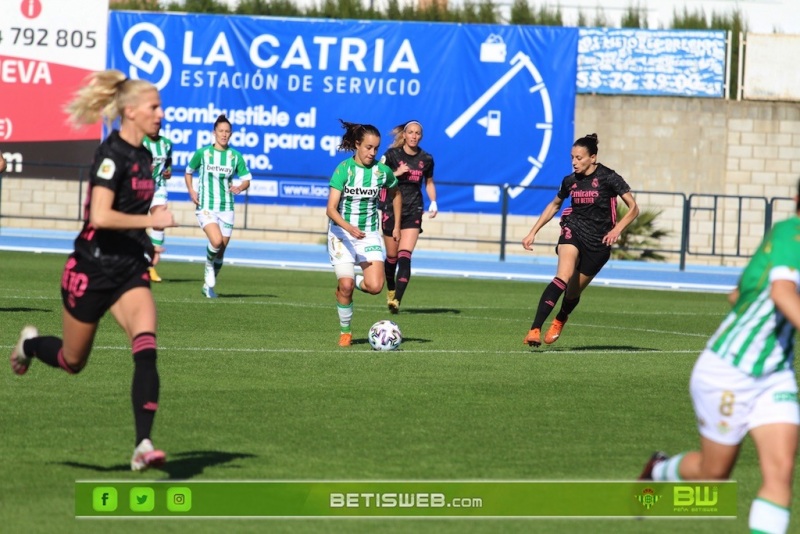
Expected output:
(144, 391)
(389, 268)
(403, 273)
(47, 349)
(567, 306)
(548, 301)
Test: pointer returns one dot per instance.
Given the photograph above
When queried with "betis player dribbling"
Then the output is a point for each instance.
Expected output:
(354, 236)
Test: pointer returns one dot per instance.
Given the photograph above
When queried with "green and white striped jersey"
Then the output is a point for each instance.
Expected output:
(360, 187)
(755, 337)
(217, 168)
(161, 149)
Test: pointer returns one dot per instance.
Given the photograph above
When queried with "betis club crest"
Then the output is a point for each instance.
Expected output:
(648, 498)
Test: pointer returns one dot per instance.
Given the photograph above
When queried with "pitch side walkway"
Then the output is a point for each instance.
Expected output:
(433, 263)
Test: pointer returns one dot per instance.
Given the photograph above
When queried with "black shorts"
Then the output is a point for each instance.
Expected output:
(412, 218)
(87, 293)
(590, 259)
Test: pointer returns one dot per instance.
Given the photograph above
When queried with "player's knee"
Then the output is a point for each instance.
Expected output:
(73, 366)
(715, 470)
(371, 289)
(346, 286)
(778, 471)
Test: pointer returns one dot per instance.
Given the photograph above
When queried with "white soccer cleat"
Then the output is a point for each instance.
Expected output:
(210, 277)
(19, 361)
(146, 456)
(208, 292)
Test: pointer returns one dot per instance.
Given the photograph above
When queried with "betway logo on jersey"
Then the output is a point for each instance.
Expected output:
(361, 191)
(219, 169)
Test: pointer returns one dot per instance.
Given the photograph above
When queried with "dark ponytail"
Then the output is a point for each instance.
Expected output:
(222, 119)
(589, 142)
(354, 133)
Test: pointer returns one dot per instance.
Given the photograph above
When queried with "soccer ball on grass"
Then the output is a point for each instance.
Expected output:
(385, 335)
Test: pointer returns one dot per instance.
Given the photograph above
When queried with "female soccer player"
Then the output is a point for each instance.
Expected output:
(744, 382)
(108, 269)
(353, 235)
(217, 164)
(588, 229)
(413, 168)
(161, 149)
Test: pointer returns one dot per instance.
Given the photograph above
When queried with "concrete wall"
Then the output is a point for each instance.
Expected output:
(666, 148)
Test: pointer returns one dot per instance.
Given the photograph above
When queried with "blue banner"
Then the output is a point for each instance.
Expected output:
(651, 62)
(496, 102)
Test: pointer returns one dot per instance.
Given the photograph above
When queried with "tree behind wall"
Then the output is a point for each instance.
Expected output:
(482, 11)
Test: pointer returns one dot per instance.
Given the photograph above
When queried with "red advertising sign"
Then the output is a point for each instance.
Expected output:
(47, 48)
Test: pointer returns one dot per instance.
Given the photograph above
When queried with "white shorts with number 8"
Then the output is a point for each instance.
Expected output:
(729, 403)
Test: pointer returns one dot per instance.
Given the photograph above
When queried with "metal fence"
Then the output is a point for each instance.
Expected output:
(697, 225)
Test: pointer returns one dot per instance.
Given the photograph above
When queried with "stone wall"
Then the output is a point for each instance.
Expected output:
(667, 149)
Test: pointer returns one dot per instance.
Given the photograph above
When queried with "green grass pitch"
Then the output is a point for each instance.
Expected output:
(254, 386)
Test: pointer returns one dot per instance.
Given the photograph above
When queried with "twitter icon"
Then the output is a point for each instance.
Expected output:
(142, 499)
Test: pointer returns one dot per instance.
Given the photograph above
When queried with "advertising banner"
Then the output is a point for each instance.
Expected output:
(496, 102)
(651, 62)
(494, 499)
(46, 51)
(770, 71)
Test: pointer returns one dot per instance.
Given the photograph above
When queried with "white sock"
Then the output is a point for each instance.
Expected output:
(157, 237)
(359, 281)
(667, 471)
(211, 253)
(345, 315)
(768, 517)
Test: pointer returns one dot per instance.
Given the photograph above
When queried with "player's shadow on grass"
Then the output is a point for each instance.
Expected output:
(179, 466)
(428, 311)
(23, 309)
(414, 340)
(365, 341)
(603, 348)
(245, 296)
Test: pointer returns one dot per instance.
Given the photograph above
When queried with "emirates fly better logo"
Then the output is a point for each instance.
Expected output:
(148, 56)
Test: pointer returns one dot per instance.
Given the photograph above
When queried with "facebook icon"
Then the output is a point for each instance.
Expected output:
(104, 499)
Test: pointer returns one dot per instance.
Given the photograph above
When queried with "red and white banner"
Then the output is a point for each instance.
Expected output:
(47, 48)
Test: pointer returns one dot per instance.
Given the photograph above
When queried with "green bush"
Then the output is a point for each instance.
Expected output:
(471, 11)
(640, 239)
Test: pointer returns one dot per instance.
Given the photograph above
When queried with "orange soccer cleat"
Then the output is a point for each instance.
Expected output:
(554, 332)
(533, 338)
(345, 339)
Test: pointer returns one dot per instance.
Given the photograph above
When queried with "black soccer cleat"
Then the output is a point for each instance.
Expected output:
(657, 457)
